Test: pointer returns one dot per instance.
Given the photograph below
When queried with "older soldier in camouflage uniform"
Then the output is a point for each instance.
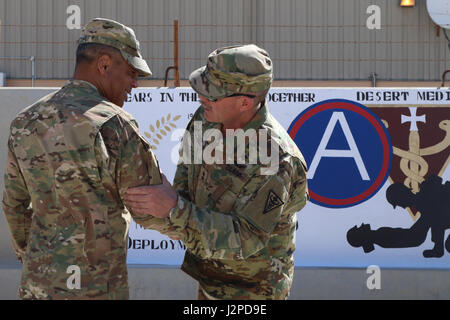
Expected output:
(71, 157)
(238, 225)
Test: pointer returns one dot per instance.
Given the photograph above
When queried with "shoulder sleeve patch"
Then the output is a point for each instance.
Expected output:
(273, 201)
(265, 206)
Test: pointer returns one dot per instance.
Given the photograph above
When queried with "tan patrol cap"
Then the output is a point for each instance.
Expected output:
(119, 36)
(231, 70)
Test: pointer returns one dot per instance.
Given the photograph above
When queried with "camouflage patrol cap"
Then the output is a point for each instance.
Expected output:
(119, 36)
(231, 70)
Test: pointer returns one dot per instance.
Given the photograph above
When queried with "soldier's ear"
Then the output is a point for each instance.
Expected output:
(104, 62)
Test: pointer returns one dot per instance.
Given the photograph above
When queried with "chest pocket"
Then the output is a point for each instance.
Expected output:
(218, 186)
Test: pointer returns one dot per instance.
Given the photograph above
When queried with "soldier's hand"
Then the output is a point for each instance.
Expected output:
(165, 181)
(155, 200)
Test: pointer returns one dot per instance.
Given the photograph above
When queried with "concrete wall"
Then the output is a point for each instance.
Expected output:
(161, 282)
(11, 102)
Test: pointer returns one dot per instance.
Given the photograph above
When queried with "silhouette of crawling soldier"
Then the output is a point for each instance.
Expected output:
(433, 202)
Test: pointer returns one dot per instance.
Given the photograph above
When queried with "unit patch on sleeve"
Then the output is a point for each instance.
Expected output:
(273, 201)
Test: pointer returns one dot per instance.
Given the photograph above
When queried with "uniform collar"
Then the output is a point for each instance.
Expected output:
(80, 83)
(259, 118)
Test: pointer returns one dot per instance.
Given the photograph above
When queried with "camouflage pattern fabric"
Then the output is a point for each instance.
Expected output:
(238, 225)
(230, 70)
(71, 157)
(114, 34)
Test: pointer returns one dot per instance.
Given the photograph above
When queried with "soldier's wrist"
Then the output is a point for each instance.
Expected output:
(179, 215)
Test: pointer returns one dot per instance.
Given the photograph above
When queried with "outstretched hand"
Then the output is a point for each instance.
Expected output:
(156, 200)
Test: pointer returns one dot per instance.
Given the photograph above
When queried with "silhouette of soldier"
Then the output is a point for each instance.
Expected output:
(433, 202)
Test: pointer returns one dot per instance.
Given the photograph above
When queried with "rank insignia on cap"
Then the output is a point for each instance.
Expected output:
(273, 201)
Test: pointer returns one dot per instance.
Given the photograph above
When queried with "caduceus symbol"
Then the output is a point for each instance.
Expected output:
(417, 167)
(412, 163)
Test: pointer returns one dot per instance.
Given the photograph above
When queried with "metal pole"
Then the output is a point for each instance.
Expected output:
(175, 52)
(446, 36)
(373, 77)
(32, 59)
(443, 77)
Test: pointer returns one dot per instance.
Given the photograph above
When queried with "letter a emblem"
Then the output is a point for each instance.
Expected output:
(273, 201)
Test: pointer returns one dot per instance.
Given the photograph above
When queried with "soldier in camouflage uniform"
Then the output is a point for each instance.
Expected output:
(71, 157)
(238, 225)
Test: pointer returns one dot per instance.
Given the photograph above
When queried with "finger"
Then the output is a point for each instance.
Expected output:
(137, 207)
(167, 184)
(138, 198)
(139, 190)
(147, 198)
(140, 212)
(165, 181)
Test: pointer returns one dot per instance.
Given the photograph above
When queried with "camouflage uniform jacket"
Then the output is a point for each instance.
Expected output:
(71, 157)
(239, 226)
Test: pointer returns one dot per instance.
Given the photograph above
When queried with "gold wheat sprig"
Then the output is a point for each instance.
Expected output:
(161, 129)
